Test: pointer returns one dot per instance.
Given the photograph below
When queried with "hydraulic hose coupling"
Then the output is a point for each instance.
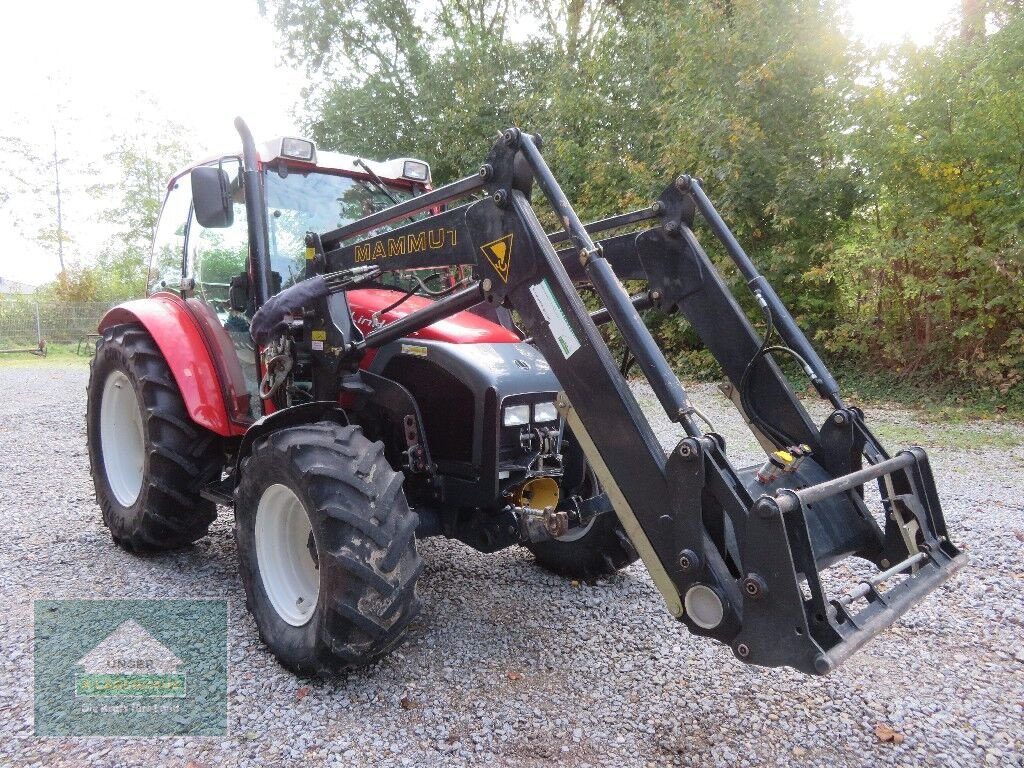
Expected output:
(782, 462)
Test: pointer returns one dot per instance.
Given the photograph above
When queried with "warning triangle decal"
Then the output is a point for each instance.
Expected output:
(499, 254)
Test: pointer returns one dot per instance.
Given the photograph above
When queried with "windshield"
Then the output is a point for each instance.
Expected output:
(300, 202)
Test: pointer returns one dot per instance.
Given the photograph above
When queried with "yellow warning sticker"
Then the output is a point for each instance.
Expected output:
(310, 254)
(319, 335)
(413, 349)
(499, 254)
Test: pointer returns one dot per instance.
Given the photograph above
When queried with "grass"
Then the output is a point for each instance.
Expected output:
(57, 355)
(950, 403)
(897, 436)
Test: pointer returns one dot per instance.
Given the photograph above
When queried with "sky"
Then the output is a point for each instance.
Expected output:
(202, 62)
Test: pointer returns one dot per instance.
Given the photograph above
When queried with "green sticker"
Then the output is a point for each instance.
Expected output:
(130, 667)
(556, 319)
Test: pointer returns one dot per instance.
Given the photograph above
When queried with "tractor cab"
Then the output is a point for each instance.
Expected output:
(203, 243)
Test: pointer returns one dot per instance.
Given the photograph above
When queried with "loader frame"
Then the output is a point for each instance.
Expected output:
(736, 558)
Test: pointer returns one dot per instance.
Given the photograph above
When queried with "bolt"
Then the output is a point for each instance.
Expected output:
(688, 560)
(671, 227)
(511, 136)
(486, 284)
(754, 586)
(839, 418)
(486, 170)
(766, 506)
(688, 448)
(500, 198)
(743, 650)
(658, 207)
(683, 182)
(655, 295)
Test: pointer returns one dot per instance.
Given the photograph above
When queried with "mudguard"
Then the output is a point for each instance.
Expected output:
(176, 331)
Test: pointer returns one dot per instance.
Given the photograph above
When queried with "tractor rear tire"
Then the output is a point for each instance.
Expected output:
(148, 459)
(326, 546)
(600, 550)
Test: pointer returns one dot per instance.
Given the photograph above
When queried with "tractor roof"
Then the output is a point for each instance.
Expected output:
(274, 150)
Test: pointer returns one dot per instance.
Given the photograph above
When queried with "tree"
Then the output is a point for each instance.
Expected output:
(878, 190)
(934, 266)
(32, 191)
(138, 168)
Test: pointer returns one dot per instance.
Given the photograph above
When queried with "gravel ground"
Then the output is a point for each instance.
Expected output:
(511, 666)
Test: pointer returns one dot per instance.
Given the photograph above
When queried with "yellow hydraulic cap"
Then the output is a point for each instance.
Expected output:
(538, 493)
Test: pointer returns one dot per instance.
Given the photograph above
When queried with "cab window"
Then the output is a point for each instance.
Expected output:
(215, 256)
(165, 266)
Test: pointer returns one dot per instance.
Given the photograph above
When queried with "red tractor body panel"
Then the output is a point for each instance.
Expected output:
(177, 333)
(203, 367)
(461, 328)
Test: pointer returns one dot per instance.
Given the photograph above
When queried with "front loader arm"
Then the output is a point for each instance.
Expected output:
(735, 552)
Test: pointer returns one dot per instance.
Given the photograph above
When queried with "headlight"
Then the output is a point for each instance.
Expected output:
(545, 412)
(516, 415)
(299, 149)
(415, 170)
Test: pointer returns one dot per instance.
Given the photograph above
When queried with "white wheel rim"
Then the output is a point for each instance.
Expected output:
(289, 572)
(576, 534)
(122, 438)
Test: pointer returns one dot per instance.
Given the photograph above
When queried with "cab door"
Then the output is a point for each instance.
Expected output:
(215, 261)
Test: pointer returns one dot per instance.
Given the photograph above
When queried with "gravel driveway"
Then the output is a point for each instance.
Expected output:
(511, 666)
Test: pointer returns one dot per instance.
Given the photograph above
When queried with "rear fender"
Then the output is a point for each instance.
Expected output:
(174, 329)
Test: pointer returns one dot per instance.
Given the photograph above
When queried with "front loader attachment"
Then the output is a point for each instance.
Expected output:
(747, 556)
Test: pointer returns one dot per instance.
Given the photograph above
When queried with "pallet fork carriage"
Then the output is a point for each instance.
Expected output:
(737, 553)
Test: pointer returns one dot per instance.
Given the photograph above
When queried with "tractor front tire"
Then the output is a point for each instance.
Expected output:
(148, 459)
(600, 549)
(327, 547)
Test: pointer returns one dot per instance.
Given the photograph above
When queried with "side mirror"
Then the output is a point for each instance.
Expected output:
(211, 197)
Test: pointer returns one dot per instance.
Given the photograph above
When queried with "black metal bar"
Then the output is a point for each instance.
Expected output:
(410, 207)
(634, 332)
(612, 222)
(462, 299)
(823, 380)
(898, 601)
(256, 213)
(641, 301)
(790, 501)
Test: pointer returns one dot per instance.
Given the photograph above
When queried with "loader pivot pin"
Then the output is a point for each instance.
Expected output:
(704, 606)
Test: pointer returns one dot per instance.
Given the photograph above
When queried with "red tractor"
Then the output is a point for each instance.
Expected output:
(352, 361)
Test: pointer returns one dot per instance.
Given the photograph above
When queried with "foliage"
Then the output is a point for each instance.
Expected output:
(936, 253)
(881, 191)
(30, 192)
(136, 171)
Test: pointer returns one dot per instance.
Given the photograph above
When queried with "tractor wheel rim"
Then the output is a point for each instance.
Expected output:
(575, 534)
(284, 553)
(122, 438)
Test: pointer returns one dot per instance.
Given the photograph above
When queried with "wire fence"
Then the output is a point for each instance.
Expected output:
(24, 322)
